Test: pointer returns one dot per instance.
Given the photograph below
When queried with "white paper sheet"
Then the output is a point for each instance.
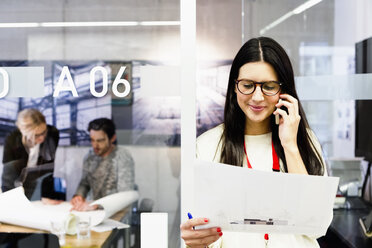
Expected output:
(16, 209)
(108, 225)
(115, 202)
(241, 199)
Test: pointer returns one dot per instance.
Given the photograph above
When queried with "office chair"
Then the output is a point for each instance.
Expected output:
(28, 240)
(133, 219)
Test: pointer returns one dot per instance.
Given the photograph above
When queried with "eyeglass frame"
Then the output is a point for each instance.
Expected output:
(42, 134)
(255, 86)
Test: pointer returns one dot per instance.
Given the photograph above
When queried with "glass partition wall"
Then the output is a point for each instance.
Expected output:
(143, 37)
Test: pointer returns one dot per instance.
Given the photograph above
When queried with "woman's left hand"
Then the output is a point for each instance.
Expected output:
(289, 122)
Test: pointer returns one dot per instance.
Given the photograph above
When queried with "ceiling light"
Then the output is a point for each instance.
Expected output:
(296, 11)
(276, 22)
(20, 25)
(87, 24)
(305, 6)
(160, 23)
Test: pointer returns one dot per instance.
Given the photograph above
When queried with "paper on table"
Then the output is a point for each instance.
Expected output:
(96, 217)
(241, 199)
(115, 202)
(16, 209)
(108, 225)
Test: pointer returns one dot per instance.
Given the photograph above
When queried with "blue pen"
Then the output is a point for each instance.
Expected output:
(190, 217)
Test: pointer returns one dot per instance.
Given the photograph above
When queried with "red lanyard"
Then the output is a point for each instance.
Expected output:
(276, 166)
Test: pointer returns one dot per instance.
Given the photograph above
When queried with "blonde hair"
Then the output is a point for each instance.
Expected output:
(27, 121)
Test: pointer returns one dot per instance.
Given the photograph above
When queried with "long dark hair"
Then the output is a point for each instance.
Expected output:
(268, 50)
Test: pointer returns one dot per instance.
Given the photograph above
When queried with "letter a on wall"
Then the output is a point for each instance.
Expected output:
(70, 83)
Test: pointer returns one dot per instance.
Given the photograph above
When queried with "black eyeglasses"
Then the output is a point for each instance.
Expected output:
(268, 88)
(43, 133)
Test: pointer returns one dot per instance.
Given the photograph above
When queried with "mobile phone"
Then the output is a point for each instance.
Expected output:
(277, 117)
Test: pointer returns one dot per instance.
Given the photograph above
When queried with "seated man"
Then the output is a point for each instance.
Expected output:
(107, 168)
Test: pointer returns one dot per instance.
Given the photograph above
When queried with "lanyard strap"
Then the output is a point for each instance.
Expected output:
(276, 166)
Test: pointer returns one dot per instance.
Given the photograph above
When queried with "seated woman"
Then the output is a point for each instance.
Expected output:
(264, 128)
(31, 145)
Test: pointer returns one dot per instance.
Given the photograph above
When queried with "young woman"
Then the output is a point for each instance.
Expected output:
(261, 89)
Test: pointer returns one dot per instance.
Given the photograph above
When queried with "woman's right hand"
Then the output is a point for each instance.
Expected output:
(199, 238)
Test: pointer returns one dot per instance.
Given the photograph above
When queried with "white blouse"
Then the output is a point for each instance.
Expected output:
(33, 156)
(259, 151)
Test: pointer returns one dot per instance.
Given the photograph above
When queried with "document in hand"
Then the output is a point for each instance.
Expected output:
(241, 199)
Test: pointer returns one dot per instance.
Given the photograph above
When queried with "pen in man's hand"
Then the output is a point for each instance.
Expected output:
(190, 217)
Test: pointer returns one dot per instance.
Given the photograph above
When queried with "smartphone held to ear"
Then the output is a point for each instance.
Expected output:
(277, 117)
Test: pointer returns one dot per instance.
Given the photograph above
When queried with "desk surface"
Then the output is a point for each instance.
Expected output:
(345, 225)
(97, 239)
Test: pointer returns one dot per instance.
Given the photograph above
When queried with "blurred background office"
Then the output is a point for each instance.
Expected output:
(144, 36)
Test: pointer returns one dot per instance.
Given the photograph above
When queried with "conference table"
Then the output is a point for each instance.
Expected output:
(97, 239)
